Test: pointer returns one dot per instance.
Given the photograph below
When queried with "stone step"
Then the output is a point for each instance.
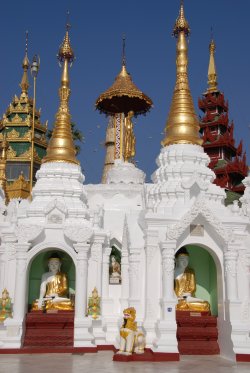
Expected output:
(204, 321)
(49, 329)
(48, 332)
(197, 333)
(198, 348)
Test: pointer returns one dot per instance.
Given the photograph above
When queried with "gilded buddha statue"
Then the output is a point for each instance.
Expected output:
(185, 285)
(53, 288)
(129, 141)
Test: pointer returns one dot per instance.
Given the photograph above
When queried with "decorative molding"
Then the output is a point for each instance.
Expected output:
(199, 207)
(78, 233)
(55, 204)
(27, 233)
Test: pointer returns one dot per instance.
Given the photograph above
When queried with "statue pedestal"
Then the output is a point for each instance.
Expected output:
(11, 335)
(82, 335)
(167, 342)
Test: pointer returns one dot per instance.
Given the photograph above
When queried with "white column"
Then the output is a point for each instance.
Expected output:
(167, 341)
(105, 272)
(150, 278)
(19, 306)
(82, 324)
(125, 280)
(81, 280)
(230, 263)
(168, 261)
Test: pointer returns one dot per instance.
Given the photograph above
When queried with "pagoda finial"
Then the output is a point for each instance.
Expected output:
(25, 82)
(61, 146)
(182, 125)
(212, 76)
(181, 24)
(123, 50)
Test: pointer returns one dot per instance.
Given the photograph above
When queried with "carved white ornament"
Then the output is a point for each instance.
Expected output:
(199, 207)
(78, 233)
(27, 233)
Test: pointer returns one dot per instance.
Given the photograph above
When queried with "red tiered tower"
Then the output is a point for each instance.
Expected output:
(227, 160)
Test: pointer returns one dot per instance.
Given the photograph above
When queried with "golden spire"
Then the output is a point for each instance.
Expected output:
(25, 82)
(182, 125)
(4, 147)
(61, 146)
(212, 76)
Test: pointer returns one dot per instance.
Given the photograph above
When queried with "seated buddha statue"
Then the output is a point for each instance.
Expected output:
(5, 306)
(185, 285)
(53, 288)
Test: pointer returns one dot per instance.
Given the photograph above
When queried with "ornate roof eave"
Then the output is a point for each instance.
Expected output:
(123, 96)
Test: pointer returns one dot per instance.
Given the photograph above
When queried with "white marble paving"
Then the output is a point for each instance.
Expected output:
(102, 362)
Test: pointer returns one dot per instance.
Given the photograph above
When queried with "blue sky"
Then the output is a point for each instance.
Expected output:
(96, 37)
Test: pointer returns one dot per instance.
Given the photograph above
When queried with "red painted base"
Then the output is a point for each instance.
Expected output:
(243, 358)
(197, 333)
(148, 355)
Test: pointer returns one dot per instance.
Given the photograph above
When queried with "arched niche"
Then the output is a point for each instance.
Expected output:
(39, 265)
(202, 262)
(115, 266)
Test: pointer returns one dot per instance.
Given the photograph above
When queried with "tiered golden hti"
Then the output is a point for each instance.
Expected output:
(122, 101)
(182, 124)
(61, 146)
(16, 125)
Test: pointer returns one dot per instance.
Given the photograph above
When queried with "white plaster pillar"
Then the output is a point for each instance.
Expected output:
(19, 306)
(167, 341)
(230, 263)
(96, 261)
(7, 246)
(105, 272)
(151, 314)
(81, 280)
(168, 262)
(125, 280)
(82, 324)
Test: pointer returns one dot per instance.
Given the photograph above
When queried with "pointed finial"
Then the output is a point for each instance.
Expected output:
(61, 146)
(212, 76)
(123, 50)
(25, 82)
(181, 24)
(65, 51)
(182, 124)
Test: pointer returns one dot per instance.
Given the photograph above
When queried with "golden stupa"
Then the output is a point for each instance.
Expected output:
(61, 146)
(182, 124)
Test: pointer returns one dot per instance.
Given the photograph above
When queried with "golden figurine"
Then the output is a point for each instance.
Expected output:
(131, 339)
(5, 306)
(129, 138)
(54, 288)
(185, 285)
(94, 307)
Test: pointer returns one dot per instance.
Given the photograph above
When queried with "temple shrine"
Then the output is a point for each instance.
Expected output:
(226, 159)
(152, 271)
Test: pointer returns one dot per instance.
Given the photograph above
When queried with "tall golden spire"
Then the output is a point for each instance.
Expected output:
(61, 146)
(4, 147)
(212, 76)
(25, 82)
(182, 125)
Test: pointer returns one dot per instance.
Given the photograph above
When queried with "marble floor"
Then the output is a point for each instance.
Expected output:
(102, 362)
